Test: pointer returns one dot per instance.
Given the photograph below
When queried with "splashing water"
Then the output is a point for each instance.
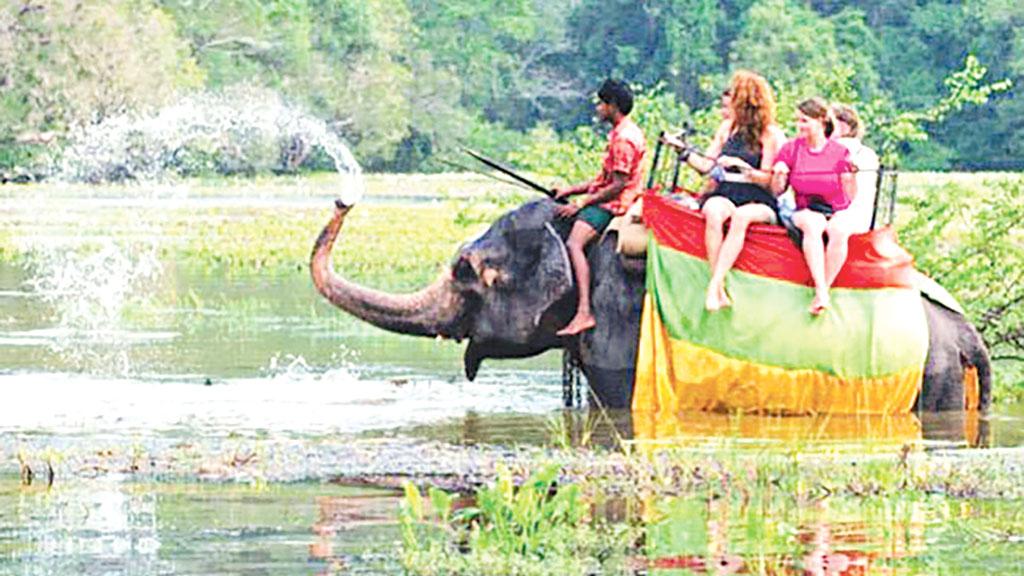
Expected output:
(88, 293)
(239, 130)
(344, 361)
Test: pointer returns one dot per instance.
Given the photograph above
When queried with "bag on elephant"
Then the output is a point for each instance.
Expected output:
(632, 231)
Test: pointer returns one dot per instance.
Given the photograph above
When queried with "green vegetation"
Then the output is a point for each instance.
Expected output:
(968, 237)
(766, 509)
(405, 80)
(537, 527)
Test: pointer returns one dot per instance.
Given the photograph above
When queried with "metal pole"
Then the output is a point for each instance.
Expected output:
(675, 173)
(878, 193)
(568, 378)
(657, 157)
(892, 198)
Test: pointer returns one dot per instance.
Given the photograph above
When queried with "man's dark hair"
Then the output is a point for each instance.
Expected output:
(618, 93)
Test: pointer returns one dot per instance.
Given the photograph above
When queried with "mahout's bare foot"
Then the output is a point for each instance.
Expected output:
(579, 323)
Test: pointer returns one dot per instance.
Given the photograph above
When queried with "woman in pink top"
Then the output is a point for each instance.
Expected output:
(821, 175)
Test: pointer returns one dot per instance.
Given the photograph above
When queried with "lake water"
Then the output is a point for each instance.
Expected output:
(131, 353)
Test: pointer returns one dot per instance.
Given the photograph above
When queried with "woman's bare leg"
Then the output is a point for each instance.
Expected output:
(741, 219)
(716, 211)
(839, 230)
(812, 224)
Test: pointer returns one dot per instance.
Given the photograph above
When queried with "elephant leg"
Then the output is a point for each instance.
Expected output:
(608, 352)
(610, 387)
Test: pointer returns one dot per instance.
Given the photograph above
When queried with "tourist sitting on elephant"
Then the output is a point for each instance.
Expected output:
(610, 194)
(740, 171)
(850, 132)
(822, 177)
(724, 127)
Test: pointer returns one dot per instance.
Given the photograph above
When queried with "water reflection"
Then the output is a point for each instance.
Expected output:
(833, 537)
(340, 515)
(109, 525)
(613, 429)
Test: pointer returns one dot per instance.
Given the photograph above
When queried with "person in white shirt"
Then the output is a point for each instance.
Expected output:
(849, 132)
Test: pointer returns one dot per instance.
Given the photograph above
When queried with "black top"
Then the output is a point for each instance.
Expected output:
(740, 193)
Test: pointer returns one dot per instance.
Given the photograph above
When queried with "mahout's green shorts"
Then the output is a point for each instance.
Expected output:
(598, 218)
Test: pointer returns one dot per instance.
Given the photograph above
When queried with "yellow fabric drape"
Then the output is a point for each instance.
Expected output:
(876, 430)
(674, 375)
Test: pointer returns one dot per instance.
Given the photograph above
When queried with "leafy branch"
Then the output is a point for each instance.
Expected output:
(895, 128)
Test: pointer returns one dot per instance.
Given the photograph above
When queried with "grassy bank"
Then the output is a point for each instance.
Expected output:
(406, 228)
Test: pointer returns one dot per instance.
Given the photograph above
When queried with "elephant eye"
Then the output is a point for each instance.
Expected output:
(463, 271)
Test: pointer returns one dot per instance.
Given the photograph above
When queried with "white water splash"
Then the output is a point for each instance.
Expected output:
(88, 293)
(344, 362)
(239, 130)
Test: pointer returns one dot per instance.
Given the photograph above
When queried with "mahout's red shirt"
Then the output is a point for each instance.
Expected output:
(626, 150)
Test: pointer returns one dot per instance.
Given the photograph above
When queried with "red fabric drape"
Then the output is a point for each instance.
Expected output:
(875, 259)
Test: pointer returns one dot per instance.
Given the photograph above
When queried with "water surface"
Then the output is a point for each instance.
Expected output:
(109, 353)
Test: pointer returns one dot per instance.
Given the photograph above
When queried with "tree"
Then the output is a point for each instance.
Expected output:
(991, 136)
(500, 53)
(787, 43)
(674, 42)
(68, 63)
(263, 42)
(362, 75)
(64, 64)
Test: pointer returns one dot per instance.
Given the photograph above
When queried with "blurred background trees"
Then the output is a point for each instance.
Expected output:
(406, 80)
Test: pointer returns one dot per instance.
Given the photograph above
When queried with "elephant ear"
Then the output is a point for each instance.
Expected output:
(548, 277)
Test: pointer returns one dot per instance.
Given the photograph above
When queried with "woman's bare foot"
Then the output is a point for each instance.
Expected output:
(711, 301)
(579, 323)
(716, 298)
(723, 297)
(820, 304)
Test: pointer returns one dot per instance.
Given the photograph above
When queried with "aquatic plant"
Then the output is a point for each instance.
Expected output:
(536, 526)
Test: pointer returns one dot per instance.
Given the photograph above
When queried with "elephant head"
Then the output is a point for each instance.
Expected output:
(506, 291)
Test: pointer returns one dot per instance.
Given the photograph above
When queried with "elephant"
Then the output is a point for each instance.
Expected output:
(509, 290)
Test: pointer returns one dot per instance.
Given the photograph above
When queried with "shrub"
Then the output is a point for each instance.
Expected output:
(970, 240)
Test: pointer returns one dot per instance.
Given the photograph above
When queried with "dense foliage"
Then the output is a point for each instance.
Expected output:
(968, 237)
(406, 80)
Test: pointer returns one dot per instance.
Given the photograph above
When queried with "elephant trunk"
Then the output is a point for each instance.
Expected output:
(437, 310)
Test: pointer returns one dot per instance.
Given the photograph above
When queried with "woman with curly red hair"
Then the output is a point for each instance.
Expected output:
(740, 173)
